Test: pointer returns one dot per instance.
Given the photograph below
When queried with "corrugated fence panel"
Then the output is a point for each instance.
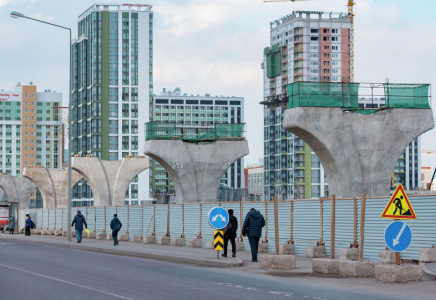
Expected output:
(306, 225)
(45, 219)
(38, 219)
(191, 221)
(64, 218)
(22, 216)
(90, 218)
(246, 206)
(51, 219)
(100, 221)
(270, 229)
(423, 228)
(122, 216)
(284, 222)
(176, 221)
(147, 219)
(374, 228)
(206, 229)
(135, 221)
(326, 226)
(110, 211)
(161, 220)
(58, 225)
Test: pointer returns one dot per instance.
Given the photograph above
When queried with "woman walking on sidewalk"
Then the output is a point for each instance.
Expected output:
(11, 224)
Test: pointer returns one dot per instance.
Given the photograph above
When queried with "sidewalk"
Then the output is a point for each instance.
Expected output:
(183, 254)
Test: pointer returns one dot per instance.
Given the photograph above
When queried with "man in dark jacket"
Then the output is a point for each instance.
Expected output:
(115, 226)
(254, 221)
(230, 233)
(79, 219)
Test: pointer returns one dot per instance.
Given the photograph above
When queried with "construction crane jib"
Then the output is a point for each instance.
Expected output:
(350, 5)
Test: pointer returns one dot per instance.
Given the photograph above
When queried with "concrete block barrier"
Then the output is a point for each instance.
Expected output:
(51, 232)
(101, 236)
(351, 268)
(263, 248)
(315, 251)
(164, 240)
(348, 253)
(137, 238)
(92, 235)
(58, 232)
(278, 262)
(209, 244)
(38, 231)
(427, 255)
(178, 241)
(195, 243)
(149, 239)
(406, 273)
(45, 232)
(239, 246)
(65, 233)
(386, 257)
(123, 237)
(286, 249)
(325, 266)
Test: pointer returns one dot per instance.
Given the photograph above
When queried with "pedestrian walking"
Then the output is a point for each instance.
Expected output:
(230, 233)
(28, 225)
(115, 226)
(253, 223)
(79, 220)
(11, 224)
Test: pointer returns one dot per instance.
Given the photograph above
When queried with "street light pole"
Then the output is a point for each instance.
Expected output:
(15, 15)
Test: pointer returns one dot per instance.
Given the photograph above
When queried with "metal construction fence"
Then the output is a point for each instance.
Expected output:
(304, 222)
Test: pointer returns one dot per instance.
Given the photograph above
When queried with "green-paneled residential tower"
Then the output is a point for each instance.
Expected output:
(112, 88)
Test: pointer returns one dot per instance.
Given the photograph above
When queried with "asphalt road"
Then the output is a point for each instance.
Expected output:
(31, 271)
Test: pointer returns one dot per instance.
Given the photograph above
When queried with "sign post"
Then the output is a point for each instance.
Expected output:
(218, 219)
(398, 235)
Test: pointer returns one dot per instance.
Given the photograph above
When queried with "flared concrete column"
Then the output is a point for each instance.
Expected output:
(358, 152)
(120, 174)
(53, 185)
(196, 169)
(109, 180)
(17, 189)
(92, 169)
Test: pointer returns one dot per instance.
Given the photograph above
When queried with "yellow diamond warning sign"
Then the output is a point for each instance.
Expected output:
(399, 206)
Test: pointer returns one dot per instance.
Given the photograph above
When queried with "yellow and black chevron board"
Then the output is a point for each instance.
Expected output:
(218, 240)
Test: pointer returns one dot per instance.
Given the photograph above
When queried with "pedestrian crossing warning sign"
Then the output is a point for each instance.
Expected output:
(399, 206)
(218, 240)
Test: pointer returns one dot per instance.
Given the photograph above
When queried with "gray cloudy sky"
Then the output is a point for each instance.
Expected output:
(215, 46)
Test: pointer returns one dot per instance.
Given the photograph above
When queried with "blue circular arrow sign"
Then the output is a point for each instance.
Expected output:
(218, 217)
(398, 236)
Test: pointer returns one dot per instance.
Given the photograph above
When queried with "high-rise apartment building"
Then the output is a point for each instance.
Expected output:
(254, 180)
(30, 131)
(304, 46)
(196, 115)
(112, 88)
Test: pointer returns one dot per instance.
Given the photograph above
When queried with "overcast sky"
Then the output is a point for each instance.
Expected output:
(215, 46)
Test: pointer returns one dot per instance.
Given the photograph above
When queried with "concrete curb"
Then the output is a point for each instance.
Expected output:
(177, 259)
(427, 271)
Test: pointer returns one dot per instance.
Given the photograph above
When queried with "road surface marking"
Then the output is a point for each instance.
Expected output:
(276, 293)
(70, 283)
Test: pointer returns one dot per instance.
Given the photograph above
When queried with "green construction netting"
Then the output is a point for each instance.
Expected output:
(407, 95)
(273, 64)
(167, 131)
(324, 94)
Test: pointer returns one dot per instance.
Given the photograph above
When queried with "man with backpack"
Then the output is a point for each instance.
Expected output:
(79, 220)
(230, 233)
(28, 225)
(115, 226)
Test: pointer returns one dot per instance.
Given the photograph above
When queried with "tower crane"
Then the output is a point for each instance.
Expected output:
(350, 5)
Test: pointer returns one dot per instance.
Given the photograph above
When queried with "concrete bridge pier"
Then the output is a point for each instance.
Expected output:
(109, 180)
(53, 185)
(358, 152)
(17, 189)
(195, 169)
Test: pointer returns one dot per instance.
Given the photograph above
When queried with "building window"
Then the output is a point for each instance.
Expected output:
(125, 143)
(113, 143)
(26, 96)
